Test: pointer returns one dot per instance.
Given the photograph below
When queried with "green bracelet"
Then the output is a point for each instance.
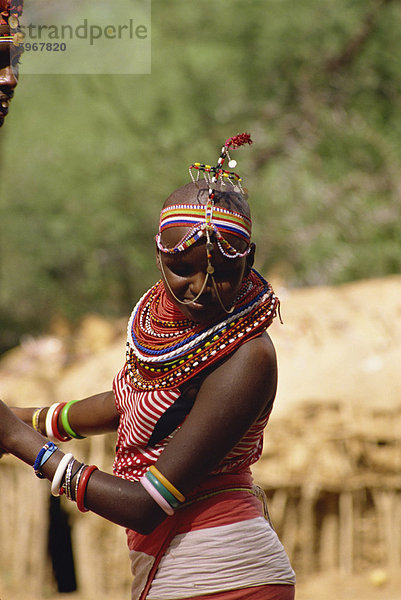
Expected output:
(168, 496)
(64, 420)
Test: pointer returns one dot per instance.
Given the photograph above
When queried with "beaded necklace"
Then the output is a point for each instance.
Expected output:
(164, 350)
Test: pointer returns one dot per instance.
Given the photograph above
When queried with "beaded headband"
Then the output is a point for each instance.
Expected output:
(209, 219)
(193, 216)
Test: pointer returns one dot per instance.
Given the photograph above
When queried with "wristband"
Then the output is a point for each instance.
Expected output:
(56, 431)
(48, 426)
(35, 418)
(65, 422)
(68, 477)
(167, 495)
(157, 497)
(43, 455)
(83, 482)
(59, 474)
(80, 471)
(167, 484)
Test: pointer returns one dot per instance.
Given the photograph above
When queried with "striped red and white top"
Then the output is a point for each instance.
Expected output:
(141, 412)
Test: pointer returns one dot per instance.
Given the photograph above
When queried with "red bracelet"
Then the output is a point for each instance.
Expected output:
(83, 482)
(56, 431)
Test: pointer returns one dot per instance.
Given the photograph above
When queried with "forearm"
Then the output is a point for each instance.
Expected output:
(90, 416)
(122, 502)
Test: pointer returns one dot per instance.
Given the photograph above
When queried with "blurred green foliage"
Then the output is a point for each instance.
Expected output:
(86, 161)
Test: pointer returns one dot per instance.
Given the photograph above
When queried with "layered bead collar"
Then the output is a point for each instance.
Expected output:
(164, 349)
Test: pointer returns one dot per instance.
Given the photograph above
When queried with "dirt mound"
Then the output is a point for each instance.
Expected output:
(340, 343)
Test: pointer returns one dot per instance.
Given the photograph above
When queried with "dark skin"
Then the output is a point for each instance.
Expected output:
(229, 400)
(9, 58)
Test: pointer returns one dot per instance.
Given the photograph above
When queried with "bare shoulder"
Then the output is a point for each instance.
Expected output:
(250, 372)
(259, 351)
(257, 358)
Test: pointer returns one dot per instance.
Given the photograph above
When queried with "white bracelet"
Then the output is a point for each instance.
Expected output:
(48, 426)
(59, 474)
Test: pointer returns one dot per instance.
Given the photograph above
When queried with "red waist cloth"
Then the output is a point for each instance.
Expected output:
(201, 510)
(260, 592)
(223, 499)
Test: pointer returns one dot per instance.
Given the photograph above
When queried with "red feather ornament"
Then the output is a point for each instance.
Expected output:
(238, 140)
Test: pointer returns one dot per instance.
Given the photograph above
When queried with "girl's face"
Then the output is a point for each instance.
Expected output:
(185, 273)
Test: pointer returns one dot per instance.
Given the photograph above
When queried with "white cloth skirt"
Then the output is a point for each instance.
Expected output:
(216, 559)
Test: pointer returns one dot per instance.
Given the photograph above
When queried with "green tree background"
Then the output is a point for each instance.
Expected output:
(86, 161)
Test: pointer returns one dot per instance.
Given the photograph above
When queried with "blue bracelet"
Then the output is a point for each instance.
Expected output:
(43, 455)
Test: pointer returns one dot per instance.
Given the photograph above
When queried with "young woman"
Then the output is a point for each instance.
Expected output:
(190, 406)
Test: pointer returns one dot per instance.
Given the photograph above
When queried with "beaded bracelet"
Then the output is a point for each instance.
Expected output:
(48, 425)
(157, 497)
(55, 428)
(66, 424)
(83, 482)
(35, 418)
(59, 474)
(43, 455)
(167, 484)
(68, 477)
(168, 496)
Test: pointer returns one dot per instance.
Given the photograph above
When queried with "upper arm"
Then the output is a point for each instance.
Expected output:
(228, 402)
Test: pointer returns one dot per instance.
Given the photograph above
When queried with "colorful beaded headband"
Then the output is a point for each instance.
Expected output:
(10, 12)
(209, 219)
(223, 221)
